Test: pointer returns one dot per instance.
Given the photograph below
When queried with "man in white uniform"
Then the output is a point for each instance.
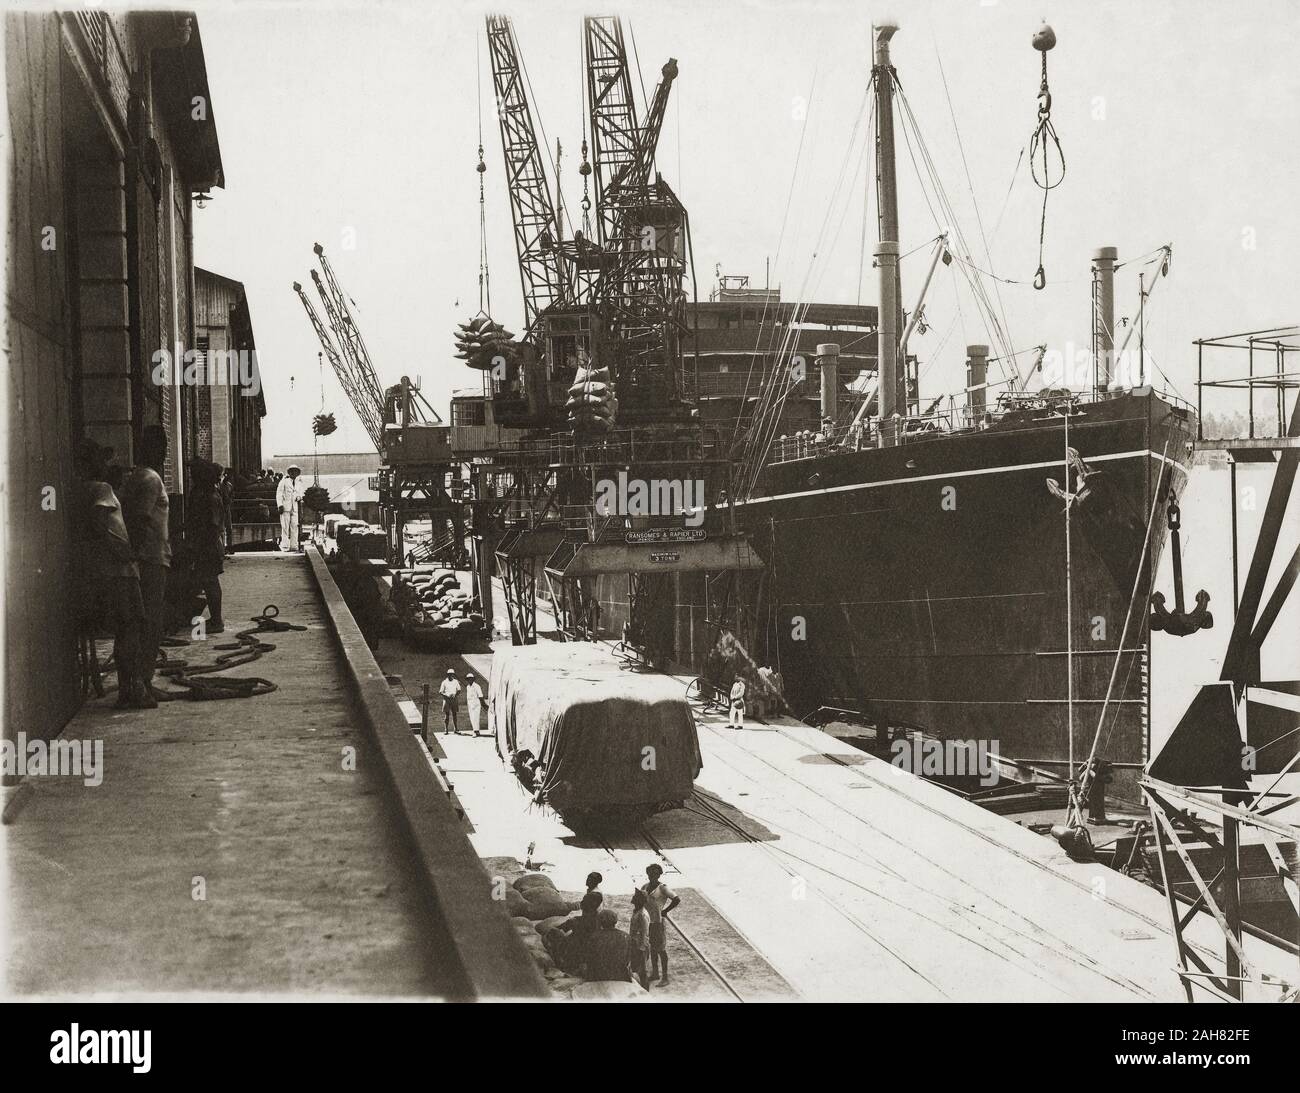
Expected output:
(473, 701)
(286, 500)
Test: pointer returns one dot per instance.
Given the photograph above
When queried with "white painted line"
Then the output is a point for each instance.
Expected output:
(1052, 463)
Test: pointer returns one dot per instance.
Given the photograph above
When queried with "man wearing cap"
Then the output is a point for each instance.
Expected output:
(286, 500)
(449, 688)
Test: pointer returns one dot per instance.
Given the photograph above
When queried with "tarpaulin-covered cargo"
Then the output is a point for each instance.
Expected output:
(591, 735)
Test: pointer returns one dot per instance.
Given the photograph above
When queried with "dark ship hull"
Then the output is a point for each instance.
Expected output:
(924, 585)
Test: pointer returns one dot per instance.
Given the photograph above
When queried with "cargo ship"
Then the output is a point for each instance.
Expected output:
(975, 567)
(916, 572)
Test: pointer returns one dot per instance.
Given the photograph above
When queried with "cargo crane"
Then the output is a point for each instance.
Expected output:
(405, 429)
(605, 320)
(643, 234)
(542, 271)
(373, 427)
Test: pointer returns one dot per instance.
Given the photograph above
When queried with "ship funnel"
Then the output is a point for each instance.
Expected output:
(977, 375)
(1103, 315)
(828, 360)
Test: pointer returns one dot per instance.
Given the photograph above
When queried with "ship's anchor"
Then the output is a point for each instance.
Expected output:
(1179, 622)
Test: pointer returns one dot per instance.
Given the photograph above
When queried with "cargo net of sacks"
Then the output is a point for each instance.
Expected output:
(430, 599)
(589, 739)
(591, 404)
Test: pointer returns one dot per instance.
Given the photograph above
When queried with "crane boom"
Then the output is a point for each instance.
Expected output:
(350, 340)
(341, 369)
(537, 236)
(612, 114)
(367, 397)
(638, 171)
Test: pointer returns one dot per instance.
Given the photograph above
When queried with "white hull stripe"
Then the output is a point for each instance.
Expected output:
(1054, 463)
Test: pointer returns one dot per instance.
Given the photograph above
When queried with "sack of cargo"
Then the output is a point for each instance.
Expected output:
(533, 880)
(545, 909)
(515, 902)
(593, 388)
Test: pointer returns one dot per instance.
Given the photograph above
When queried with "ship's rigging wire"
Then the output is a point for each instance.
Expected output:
(912, 135)
(780, 241)
(970, 185)
(782, 381)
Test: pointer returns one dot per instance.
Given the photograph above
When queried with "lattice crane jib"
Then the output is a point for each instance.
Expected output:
(537, 236)
(349, 336)
(368, 410)
(341, 369)
(615, 135)
(643, 227)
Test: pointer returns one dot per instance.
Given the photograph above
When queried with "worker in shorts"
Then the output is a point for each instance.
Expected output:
(473, 700)
(736, 713)
(638, 944)
(449, 688)
(660, 901)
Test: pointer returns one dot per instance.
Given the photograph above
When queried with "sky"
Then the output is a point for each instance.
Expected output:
(357, 126)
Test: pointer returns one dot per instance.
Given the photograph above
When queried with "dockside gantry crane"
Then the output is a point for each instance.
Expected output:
(607, 312)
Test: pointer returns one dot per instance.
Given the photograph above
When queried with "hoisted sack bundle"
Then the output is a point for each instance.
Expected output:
(476, 338)
(591, 403)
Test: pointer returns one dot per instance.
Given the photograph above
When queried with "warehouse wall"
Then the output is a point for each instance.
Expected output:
(98, 270)
(40, 667)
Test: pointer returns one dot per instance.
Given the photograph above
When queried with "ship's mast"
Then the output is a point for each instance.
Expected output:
(886, 251)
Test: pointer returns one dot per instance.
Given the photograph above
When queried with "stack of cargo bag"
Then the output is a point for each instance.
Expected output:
(435, 599)
(591, 404)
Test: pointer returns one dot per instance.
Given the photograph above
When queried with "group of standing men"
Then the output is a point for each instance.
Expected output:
(124, 553)
(450, 690)
(591, 945)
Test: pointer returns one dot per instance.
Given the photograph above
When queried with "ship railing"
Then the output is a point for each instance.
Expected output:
(952, 414)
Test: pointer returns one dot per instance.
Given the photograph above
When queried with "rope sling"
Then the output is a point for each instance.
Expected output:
(1041, 143)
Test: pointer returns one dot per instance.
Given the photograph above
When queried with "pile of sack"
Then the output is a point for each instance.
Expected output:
(480, 343)
(592, 403)
(535, 906)
(358, 540)
(433, 597)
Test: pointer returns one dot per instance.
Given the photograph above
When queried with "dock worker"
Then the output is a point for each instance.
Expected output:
(638, 940)
(109, 589)
(736, 716)
(473, 700)
(287, 497)
(606, 951)
(660, 901)
(449, 688)
(205, 538)
(146, 509)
